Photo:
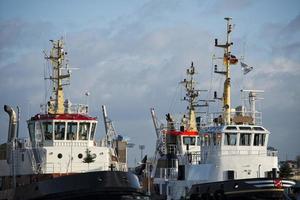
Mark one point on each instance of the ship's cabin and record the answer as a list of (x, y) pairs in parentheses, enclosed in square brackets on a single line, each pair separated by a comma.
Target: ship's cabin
[(48, 130), (239, 151), (183, 139), (235, 136), (189, 142), (184, 144)]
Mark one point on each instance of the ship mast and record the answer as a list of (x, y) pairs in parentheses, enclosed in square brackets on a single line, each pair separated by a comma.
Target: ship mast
[(57, 57), (191, 96), (228, 59)]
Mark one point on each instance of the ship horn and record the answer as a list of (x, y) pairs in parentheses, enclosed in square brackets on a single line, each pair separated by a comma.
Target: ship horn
[(12, 128)]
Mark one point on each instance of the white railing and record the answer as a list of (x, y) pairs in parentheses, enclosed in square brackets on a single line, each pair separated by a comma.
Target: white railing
[(172, 148), (193, 158), (79, 108), (175, 126), (24, 143), (168, 173), (74, 143), (217, 118), (78, 167), (238, 152), (122, 167), (43, 108), (73, 108)]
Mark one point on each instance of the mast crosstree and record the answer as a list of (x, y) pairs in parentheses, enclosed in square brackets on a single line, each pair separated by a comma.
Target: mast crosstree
[(191, 97), (57, 58), (228, 59)]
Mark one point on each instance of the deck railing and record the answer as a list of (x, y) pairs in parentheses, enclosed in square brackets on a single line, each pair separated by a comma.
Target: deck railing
[(79, 167), (79, 108), (168, 173), (190, 158), (73, 108), (237, 117)]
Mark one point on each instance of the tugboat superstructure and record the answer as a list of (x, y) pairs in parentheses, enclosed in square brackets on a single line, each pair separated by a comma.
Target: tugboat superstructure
[(62, 150), (177, 145), (232, 159), (238, 162)]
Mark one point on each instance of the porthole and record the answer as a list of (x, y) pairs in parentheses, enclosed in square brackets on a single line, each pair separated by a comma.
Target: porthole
[(59, 155), (80, 155), (94, 155)]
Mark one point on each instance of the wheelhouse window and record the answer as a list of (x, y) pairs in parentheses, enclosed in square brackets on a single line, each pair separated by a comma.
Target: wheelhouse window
[(48, 130), (198, 141), (230, 128), (245, 128), (31, 128), (259, 139), (72, 131), (93, 131), (245, 139), (84, 128), (258, 128), (230, 139), (189, 140), (59, 132)]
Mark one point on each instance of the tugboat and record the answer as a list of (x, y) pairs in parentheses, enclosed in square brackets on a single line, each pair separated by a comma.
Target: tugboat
[(177, 147), (61, 159), (221, 155)]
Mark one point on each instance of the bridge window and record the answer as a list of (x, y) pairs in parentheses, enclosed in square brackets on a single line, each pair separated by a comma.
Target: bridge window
[(198, 141), (48, 130), (259, 139), (31, 131), (59, 131), (93, 131), (230, 139), (245, 139), (72, 131), (245, 128), (84, 128), (189, 140), (258, 128), (230, 128)]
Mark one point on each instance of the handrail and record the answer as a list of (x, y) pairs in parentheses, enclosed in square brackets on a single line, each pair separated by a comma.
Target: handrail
[(237, 117), (73, 108), (79, 167)]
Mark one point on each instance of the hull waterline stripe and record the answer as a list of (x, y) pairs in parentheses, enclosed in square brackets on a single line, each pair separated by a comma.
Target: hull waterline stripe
[(264, 185), (272, 185), (255, 182), (259, 190), (270, 181)]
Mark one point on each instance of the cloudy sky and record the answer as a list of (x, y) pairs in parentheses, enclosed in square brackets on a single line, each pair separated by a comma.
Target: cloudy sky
[(132, 54)]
